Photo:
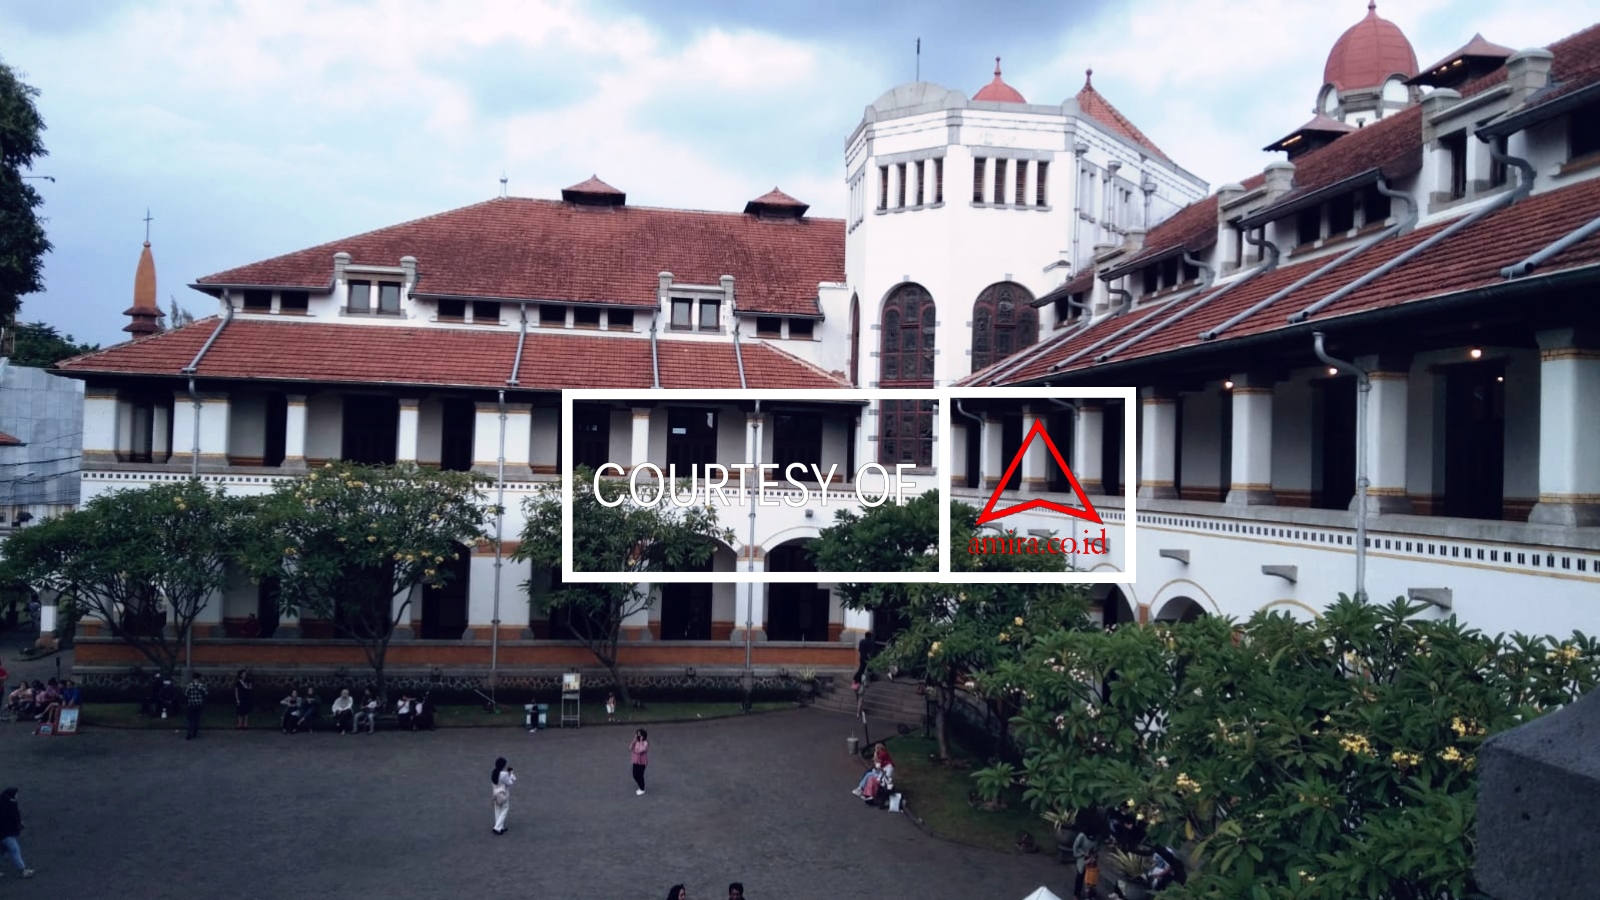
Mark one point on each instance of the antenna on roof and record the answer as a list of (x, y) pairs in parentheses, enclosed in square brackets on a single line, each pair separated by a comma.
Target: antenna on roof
[(919, 59), (503, 180)]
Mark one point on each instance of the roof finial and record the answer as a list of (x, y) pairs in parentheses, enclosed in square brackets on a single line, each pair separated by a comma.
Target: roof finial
[(147, 220), (1088, 78), (997, 67), (1372, 7)]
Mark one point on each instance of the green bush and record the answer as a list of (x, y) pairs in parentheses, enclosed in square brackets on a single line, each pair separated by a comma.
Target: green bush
[(1329, 760)]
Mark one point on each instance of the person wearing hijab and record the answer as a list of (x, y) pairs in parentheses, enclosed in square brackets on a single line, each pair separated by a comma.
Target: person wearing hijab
[(11, 830), (502, 778), (344, 712), (678, 892)]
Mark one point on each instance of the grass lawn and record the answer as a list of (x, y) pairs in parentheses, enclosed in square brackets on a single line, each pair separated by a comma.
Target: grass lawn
[(126, 715), (938, 796)]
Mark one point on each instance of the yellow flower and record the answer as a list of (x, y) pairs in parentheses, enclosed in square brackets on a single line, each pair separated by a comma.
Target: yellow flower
[(1017, 621), (372, 539), (428, 572), (289, 551), (1450, 754), (934, 648), (1356, 744), (1185, 783), (1004, 637)]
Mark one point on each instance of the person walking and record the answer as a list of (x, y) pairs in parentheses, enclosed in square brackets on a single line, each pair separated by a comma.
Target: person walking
[(678, 891), (11, 830), (244, 699), (194, 704), (864, 648), (641, 758), (502, 778)]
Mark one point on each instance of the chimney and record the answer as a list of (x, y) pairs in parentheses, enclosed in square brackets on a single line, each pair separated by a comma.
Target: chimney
[(1527, 72), (1134, 242), (1279, 178)]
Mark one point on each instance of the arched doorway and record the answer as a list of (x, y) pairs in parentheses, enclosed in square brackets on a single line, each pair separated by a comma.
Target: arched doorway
[(795, 611), (1115, 608), (1180, 609), (686, 608), (445, 605)]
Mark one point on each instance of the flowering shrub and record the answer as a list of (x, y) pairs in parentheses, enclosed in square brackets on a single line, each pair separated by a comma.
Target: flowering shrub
[(1299, 761)]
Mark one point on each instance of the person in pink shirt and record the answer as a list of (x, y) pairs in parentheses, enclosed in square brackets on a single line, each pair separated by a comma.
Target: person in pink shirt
[(641, 758)]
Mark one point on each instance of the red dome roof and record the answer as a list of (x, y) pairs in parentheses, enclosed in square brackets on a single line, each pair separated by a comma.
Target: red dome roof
[(1368, 53), (998, 91)]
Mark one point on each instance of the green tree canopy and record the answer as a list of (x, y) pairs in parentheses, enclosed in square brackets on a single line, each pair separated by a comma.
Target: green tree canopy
[(617, 535), (1304, 761), (956, 630), (42, 346), (350, 543), (22, 239), (144, 561)]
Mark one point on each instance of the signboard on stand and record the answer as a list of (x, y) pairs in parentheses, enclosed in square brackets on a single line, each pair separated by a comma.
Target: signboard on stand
[(67, 721)]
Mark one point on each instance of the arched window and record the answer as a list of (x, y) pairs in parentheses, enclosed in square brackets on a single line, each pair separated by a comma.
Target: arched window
[(1003, 322), (905, 359)]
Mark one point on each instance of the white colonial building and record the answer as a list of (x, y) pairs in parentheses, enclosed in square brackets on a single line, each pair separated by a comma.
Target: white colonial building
[(1406, 306), (988, 241)]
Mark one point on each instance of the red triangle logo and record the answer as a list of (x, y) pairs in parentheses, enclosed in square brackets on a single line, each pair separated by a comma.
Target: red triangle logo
[(1088, 513)]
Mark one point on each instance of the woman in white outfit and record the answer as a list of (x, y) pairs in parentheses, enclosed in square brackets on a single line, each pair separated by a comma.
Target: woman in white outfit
[(502, 778)]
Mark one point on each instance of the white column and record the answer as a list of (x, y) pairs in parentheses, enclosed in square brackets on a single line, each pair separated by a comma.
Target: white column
[(1088, 447), (641, 438), (519, 441), (1387, 426), (486, 437), (750, 605), (294, 432), (991, 458), (636, 627), (1158, 463), (857, 622), (1036, 462), (410, 422), (402, 629), (1252, 442), (1569, 429), (99, 425), (212, 433)]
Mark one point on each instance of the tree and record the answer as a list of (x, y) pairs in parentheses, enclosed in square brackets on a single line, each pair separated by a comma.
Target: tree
[(145, 562), (22, 240), (955, 631), (349, 541), (1304, 761), (617, 535), (41, 346), (177, 316)]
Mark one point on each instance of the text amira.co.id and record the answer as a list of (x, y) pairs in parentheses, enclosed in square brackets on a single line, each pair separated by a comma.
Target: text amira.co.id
[(1012, 545), (704, 481)]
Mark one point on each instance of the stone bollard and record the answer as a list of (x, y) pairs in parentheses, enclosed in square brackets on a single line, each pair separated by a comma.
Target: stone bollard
[(854, 744), (1538, 787)]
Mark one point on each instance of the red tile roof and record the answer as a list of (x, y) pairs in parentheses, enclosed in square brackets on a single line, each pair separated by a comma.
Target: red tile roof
[(1194, 228), (320, 352), (7, 440), (997, 91), (1576, 65), (776, 201), (1369, 52), (522, 249), (1477, 48), (1094, 105)]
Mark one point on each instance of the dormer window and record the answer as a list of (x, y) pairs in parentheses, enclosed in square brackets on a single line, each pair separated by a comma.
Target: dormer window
[(586, 317), (1308, 226), (1341, 215), (619, 320), (294, 302), (552, 315), (452, 310), (801, 329), (1583, 132), (486, 312), (364, 294), (1455, 149), (769, 327), (1497, 166), (258, 301), (690, 314)]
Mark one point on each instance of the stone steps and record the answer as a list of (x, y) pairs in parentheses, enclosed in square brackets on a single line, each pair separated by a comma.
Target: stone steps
[(884, 702)]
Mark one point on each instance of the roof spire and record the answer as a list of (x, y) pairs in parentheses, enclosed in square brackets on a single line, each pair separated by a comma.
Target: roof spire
[(145, 310), (1372, 7), (1088, 78), (997, 67)]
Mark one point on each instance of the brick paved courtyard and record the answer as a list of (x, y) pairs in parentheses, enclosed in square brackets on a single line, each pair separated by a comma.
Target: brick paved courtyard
[(764, 800)]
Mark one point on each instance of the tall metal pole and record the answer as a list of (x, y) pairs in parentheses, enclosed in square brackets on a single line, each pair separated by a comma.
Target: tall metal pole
[(499, 543), (1363, 388)]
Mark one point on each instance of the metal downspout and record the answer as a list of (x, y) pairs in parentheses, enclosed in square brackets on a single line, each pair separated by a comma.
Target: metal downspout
[(655, 357), (1182, 313), (1264, 244), (1364, 388), (963, 411), (499, 549), (1126, 304), (1078, 151), (522, 340), (1413, 252), (1543, 256), (750, 555), (190, 370), (1299, 283), (738, 356)]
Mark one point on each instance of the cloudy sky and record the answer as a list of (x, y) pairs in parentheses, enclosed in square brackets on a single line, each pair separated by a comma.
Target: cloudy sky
[(256, 127)]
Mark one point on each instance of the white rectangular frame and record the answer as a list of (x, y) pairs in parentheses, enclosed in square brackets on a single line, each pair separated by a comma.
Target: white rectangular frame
[(655, 395), (943, 458), (1130, 483)]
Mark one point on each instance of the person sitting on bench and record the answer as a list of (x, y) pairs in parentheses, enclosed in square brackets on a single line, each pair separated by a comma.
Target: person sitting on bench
[(368, 715), (344, 712), (404, 712)]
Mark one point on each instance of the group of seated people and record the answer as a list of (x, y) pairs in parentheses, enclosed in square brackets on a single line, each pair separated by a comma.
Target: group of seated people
[(40, 701), (1122, 830), (164, 699), (878, 783), (301, 708)]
